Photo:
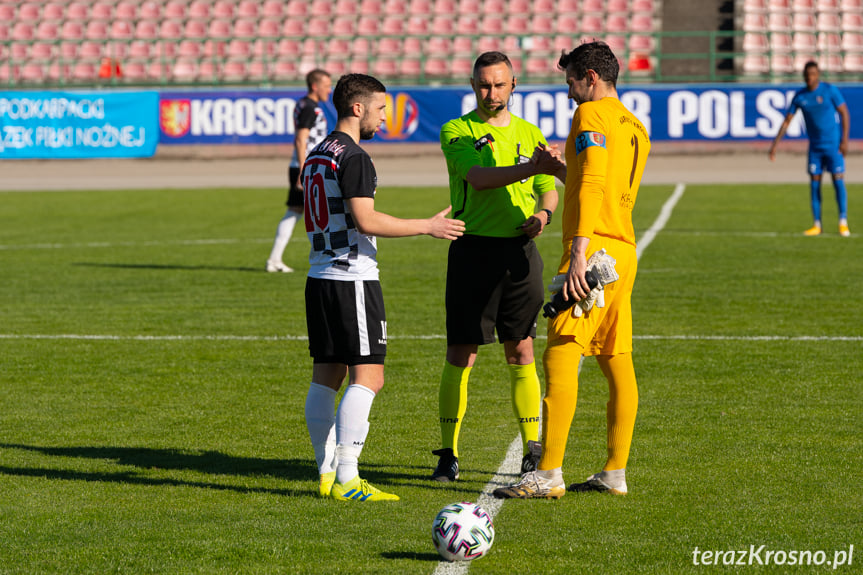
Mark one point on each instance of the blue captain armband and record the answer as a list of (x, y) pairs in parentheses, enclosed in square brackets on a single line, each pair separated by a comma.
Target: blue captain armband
[(587, 139)]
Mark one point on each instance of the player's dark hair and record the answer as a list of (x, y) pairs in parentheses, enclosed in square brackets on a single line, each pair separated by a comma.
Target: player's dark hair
[(810, 64), (353, 88), (490, 59), (315, 76), (596, 56)]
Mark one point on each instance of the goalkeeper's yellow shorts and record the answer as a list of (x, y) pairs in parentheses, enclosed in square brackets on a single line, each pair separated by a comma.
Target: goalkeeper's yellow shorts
[(606, 330)]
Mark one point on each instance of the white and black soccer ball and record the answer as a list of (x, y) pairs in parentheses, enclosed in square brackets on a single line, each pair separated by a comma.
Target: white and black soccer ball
[(462, 532)]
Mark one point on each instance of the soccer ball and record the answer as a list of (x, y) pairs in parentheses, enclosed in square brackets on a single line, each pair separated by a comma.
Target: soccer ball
[(462, 532)]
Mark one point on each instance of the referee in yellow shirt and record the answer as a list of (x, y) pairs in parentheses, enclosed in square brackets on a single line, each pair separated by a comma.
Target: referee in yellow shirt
[(605, 156)]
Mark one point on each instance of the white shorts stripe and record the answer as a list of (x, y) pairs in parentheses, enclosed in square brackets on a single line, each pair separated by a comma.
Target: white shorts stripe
[(362, 318)]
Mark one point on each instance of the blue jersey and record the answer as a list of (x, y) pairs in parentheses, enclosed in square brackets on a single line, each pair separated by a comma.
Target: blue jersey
[(819, 112)]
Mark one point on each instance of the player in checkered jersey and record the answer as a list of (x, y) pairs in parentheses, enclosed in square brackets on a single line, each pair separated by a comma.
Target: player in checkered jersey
[(344, 303), (310, 129)]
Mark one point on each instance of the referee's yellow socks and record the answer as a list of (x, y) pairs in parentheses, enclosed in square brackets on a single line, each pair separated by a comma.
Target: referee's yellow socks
[(560, 360), (452, 404), (622, 407), (526, 394)]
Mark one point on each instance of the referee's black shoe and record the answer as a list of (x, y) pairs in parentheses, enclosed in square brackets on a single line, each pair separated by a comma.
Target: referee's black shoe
[(531, 459), (447, 466)]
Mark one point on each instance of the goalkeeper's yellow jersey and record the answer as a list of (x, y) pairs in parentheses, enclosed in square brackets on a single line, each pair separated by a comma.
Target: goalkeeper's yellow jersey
[(605, 156)]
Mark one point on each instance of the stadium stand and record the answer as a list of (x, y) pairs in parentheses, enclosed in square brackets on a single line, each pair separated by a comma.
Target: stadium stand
[(266, 42), (780, 36)]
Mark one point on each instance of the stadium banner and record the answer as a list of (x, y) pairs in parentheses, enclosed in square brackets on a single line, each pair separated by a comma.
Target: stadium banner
[(67, 125), (698, 112), (231, 117)]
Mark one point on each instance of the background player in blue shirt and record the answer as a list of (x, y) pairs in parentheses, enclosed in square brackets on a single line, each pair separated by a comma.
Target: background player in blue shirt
[(819, 102)]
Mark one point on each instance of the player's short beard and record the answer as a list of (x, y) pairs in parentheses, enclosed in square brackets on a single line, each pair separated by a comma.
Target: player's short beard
[(367, 132)]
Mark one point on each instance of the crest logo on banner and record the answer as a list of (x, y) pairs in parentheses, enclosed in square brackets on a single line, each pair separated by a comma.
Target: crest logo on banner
[(175, 117), (403, 117)]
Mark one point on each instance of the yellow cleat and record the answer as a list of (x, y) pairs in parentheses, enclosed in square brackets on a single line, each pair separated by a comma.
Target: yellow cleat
[(813, 231), (327, 480), (359, 490), (844, 231)]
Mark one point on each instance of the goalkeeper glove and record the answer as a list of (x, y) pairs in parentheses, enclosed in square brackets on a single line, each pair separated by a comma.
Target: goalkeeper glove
[(600, 272)]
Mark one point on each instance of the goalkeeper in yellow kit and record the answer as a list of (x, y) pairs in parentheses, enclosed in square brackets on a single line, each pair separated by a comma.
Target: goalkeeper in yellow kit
[(605, 156)]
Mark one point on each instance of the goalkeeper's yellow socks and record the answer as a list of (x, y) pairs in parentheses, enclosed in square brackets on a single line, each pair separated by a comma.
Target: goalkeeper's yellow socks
[(525, 391), (621, 409), (561, 359), (452, 404)]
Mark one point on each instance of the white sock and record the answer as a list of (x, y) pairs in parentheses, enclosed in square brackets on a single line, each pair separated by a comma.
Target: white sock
[(283, 235), (321, 423), (614, 478), (352, 427), (552, 476)]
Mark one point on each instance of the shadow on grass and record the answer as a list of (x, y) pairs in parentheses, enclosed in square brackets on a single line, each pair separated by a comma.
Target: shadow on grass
[(216, 463), (210, 462), (169, 267)]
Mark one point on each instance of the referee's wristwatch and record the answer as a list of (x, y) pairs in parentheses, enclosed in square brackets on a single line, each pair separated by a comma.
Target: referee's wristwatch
[(548, 212)]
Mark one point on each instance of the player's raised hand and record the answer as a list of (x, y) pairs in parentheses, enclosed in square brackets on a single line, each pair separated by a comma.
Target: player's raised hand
[(444, 228)]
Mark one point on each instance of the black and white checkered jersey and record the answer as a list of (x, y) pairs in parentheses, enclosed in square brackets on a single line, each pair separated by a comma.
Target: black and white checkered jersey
[(309, 114), (335, 170)]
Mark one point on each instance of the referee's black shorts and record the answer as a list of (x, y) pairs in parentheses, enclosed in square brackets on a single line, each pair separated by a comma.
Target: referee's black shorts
[(346, 320), (492, 283), (295, 192)]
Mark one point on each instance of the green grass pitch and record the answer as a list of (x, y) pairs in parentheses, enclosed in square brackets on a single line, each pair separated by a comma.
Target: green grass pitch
[(152, 382)]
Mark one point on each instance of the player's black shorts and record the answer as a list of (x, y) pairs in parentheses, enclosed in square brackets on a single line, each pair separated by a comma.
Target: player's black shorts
[(295, 192), (346, 321), (492, 283)]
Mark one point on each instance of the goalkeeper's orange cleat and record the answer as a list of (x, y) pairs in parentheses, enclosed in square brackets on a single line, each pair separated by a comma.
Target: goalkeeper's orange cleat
[(844, 231), (813, 231)]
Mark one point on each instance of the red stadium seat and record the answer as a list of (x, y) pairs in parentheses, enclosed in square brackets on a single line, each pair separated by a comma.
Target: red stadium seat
[(321, 7), (347, 7), (121, 30), (412, 45), (750, 6), (436, 67), (288, 48), (410, 68), (297, 8), (344, 26), (126, 11), (170, 29), (492, 24), (779, 5), (567, 6), (199, 9), (438, 46), (371, 7), (642, 6), (828, 22), (22, 31), (617, 24), (234, 71), (76, 11), (389, 46), (462, 67), (445, 7), (338, 48), (517, 25), (101, 11), (853, 63), (69, 50), (150, 11), (829, 42), (96, 30), (467, 25), (755, 64), (489, 44), (639, 43), (385, 67), (268, 28), (803, 22), (47, 30), (223, 9), (754, 42), (245, 28), (284, 70), (597, 6), (753, 22), (219, 29), (174, 10), (51, 11), (827, 5), (247, 9), (42, 51), (462, 45), (393, 25), (7, 13), (803, 5), (140, 50), (32, 72), (28, 12), (852, 22), (641, 23), (779, 22), (272, 9), (851, 5), (361, 47), (293, 27), (542, 24), (417, 26), (318, 27), (466, 7), (239, 48), (782, 63), (780, 43), (189, 49), (852, 42), (185, 70), (84, 71)]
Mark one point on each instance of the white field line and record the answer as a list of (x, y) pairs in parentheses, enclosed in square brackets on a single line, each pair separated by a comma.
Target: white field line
[(201, 242), (512, 461)]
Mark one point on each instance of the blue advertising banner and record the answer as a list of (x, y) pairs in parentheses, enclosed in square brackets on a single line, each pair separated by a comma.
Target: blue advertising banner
[(231, 117), (49, 125), (735, 112)]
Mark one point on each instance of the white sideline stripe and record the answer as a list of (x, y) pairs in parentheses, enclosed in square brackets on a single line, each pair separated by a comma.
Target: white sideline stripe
[(678, 337), (512, 461)]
